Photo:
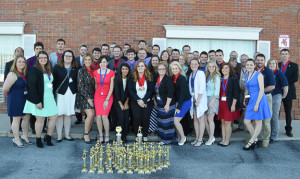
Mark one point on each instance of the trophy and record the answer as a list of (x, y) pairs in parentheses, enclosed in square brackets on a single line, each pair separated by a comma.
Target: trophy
[(84, 170), (91, 171), (147, 165), (118, 130), (141, 168), (140, 135), (109, 167), (129, 171)]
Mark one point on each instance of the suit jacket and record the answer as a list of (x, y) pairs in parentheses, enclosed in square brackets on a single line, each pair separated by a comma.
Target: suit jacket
[(292, 75), (35, 82), (133, 92), (112, 67), (78, 62), (59, 74), (233, 92), (181, 93), (166, 89), (119, 93), (8, 66)]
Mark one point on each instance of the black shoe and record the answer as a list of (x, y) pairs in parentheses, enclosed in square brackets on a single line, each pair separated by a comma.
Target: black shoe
[(10, 131), (33, 131), (58, 140), (39, 143), (250, 146), (272, 141), (44, 131), (78, 121), (47, 139), (222, 145), (289, 134), (70, 139)]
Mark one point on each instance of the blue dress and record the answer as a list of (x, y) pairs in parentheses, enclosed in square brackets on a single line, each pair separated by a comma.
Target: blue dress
[(16, 98), (263, 108)]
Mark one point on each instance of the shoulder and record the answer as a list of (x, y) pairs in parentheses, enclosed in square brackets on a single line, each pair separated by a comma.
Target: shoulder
[(111, 72), (9, 63), (12, 75)]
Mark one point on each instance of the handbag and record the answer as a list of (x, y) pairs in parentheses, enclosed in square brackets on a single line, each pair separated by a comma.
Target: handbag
[(56, 91)]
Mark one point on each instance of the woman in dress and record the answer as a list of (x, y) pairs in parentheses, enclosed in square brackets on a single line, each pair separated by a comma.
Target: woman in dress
[(279, 93), (182, 99), (213, 83), (197, 89), (65, 86), (153, 65), (40, 99), (229, 105), (85, 95), (15, 88), (103, 99), (121, 99), (257, 108), (183, 62), (165, 104), (141, 87)]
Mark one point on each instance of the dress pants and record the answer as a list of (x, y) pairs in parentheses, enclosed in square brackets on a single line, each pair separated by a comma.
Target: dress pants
[(122, 118), (287, 104), (141, 117), (266, 123)]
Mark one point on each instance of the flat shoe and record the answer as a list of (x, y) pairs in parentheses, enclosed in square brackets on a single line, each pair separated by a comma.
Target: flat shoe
[(71, 139)]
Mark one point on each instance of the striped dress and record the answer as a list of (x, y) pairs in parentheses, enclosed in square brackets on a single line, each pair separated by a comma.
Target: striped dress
[(153, 120)]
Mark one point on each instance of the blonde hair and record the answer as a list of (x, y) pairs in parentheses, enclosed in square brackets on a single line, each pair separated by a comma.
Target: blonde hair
[(273, 59), (178, 65), (216, 72), (15, 69)]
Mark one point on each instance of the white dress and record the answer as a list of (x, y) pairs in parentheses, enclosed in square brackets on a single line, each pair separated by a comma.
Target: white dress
[(199, 88), (66, 103)]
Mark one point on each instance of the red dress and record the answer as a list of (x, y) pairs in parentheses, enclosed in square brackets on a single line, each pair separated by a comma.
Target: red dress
[(224, 111), (99, 98)]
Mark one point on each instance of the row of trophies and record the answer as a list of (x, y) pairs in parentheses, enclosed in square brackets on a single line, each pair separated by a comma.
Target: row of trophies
[(143, 158)]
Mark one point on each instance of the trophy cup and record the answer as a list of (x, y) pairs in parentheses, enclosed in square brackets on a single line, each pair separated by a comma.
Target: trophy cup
[(168, 155), (118, 130), (120, 171), (109, 167), (153, 169), (100, 166), (129, 171), (84, 170), (140, 135), (147, 165), (165, 160), (91, 171), (141, 167)]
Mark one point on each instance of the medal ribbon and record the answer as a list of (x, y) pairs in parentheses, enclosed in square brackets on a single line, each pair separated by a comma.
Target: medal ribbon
[(90, 72), (23, 77), (116, 65), (141, 81), (102, 82), (274, 70), (261, 69), (158, 82), (175, 78), (48, 75), (59, 56), (244, 72), (193, 78), (283, 68), (224, 85)]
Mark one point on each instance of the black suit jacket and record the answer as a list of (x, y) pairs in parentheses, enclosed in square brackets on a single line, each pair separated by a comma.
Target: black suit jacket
[(8, 66), (181, 91), (133, 92), (78, 61), (112, 67), (59, 74), (166, 89), (233, 92), (292, 75), (35, 82), (119, 93)]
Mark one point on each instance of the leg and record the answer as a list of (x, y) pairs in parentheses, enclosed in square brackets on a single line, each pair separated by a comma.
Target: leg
[(39, 123), (276, 100), (287, 103), (99, 125), (228, 131), (67, 126), (201, 128), (32, 123), (146, 118), (211, 124), (223, 131), (106, 127), (137, 113), (196, 126), (25, 126), (51, 124), (88, 121), (126, 123), (258, 126), (207, 124), (15, 128), (178, 127), (59, 127), (249, 126)]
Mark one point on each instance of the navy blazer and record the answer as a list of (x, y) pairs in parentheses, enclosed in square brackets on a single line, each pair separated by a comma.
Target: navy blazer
[(166, 89), (233, 92)]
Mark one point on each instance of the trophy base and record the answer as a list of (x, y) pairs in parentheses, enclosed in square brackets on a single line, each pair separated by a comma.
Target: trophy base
[(129, 172), (120, 172), (153, 170), (110, 171), (141, 172), (100, 171), (91, 172), (84, 171), (147, 172), (165, 166), (159, 168)]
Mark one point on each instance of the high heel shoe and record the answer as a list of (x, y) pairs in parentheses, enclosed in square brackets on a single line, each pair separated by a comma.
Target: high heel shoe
[(256, 144), (210, 141), (18, 143), (250, 146), (194, 142), (88, 142), (47, 139), (198, 144), (26, 141), (182, 142), (39, 143), (106, 139)]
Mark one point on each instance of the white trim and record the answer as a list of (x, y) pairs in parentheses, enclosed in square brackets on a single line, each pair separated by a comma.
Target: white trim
[(12, 28), (212, 32)]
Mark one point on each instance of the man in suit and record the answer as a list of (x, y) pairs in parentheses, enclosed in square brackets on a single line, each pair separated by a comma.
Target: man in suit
[(56, 56), (115, 64), (291, 71), (235, 54), (82, 51), (18, 52), (142, 45)]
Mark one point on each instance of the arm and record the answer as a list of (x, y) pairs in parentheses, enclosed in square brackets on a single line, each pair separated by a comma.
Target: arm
[(269, 88), (10, 80), (149, 92), (117, 90), (295, 75), (236, 89), (202, 86), (260, 79), (131, 89), (111, 88), (285, 91), (182, 93)]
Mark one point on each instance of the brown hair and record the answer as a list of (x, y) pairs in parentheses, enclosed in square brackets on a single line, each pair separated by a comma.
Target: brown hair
[(15, 69), (61, 62), (88, 55), (135, 74), (47, 67), (272, 59), (231, 70)]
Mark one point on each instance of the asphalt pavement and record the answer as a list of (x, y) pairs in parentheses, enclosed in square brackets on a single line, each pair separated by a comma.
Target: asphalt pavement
[(280, 160)]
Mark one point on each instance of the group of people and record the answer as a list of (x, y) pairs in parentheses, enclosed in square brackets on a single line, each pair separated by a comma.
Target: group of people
[(159, 93)]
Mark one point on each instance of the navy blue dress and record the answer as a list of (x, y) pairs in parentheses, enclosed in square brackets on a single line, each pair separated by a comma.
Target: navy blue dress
[(16, 98)]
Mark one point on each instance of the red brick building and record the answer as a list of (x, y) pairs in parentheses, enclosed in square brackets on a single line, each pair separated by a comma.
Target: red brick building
[(127, 21)]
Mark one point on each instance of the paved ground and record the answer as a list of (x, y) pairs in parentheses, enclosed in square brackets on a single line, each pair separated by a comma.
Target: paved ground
[(280, 160)]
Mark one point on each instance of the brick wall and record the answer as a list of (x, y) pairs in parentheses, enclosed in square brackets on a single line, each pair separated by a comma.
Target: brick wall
[(96, 22)]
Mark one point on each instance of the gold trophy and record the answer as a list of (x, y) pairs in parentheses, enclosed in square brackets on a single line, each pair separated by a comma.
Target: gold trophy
[(141, 166), (140, 135), (84, 170), (118, 130), (147, 165), (109, 167), (91, 171), (129, 171)]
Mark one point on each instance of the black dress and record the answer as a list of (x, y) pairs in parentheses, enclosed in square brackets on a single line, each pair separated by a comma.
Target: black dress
[(86, 89)]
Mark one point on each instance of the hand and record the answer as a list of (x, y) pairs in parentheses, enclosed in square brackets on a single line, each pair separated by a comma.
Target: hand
[(122, 107), (167, 108), (141, 103), (90, 101), (232, 108), (126, 106), (197, 103), (244, 103), (177, 111), (39, 106), (211, 104), (256, 108), (105, 104), (155, 103)]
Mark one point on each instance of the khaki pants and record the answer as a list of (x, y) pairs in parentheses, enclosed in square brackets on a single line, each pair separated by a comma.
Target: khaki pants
[(266, 123)]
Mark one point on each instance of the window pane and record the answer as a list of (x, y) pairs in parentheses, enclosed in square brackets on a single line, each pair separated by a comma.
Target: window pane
[(8, 44), (240, 46)]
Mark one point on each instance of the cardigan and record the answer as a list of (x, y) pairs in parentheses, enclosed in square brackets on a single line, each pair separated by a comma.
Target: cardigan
[(181, 91), (59, 74), (233, 92), (133, 92)]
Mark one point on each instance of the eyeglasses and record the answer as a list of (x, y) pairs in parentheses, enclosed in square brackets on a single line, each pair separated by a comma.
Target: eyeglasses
[(161, 69), (43, 58), (68, 56)]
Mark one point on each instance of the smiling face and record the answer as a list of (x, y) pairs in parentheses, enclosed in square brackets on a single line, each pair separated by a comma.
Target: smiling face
[(175, 55), (142, 54), (117, 53), (155, 61), (155, 50), (37, 50), (68, 58), (124, 71), (203, 58), (42, 59), (104, 50), (219, 57), (250, 66), (165, 56), (272, 65), (211, 68), (260, 62), (141, 67), (96, 54), (225, 70), (103, 63), (285, 55), (175, 69), (21, 63), (82, 51), (194, 65), (88, 61), (212, 56), (162, 69), (181, 60)]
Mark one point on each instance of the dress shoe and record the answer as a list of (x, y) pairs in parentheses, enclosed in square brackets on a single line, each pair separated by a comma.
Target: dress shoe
[(210, 141), (18, 143), (47, 139), (26, 141), (78, 121), (265, 144), (69, 139), (249, 146), (272, 141), (223, 145), (289, 134), (58, 140), (182, 142), (39, 143)]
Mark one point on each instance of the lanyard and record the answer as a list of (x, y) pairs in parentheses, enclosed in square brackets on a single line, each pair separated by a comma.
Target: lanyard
[(250, 76), (159, 82), (59, 56), (221, 64), (48, 75), (260, 70), (116, 65), (175, 78), (68, 70), (90, 72), (283, 67), (102, 82), (244, 72), (274, 71), (193, 79), (224, 85), (23, 77), (141, 81)]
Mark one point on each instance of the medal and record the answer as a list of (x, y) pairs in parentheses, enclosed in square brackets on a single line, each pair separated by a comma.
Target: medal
[(141, 82), (102, 82)]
